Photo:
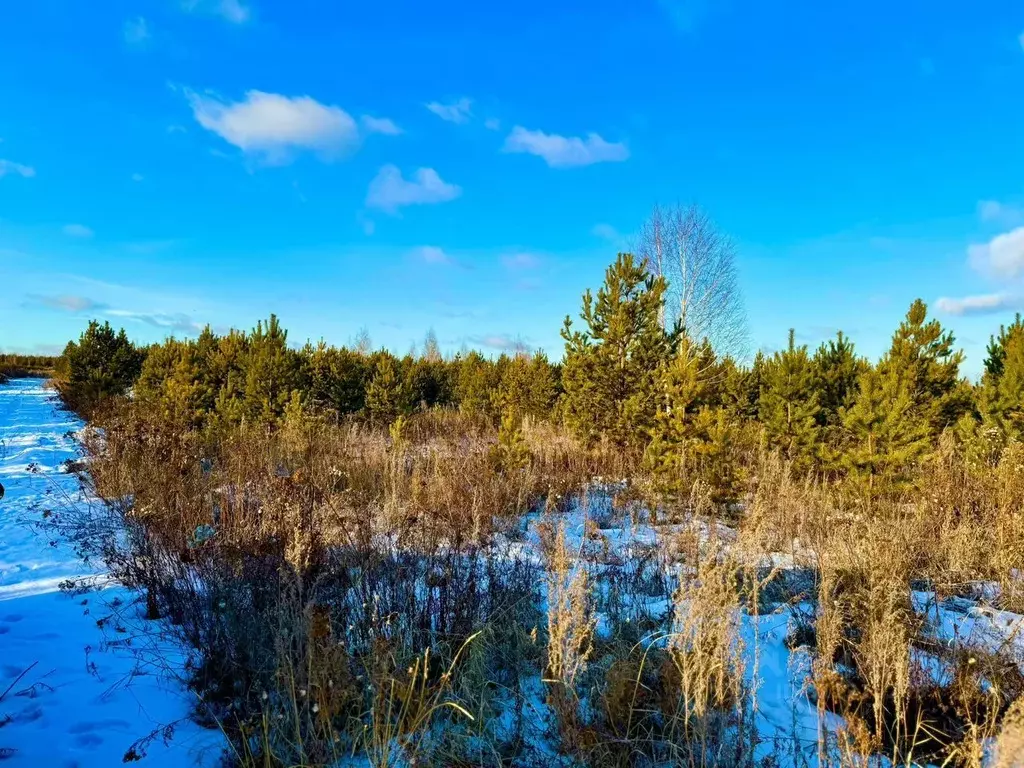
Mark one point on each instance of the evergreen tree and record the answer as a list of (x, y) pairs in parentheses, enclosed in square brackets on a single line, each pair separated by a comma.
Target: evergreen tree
[(272, 371), (922, 358), (611, 366), (527, 386), (171, 382), (337, 378), (387, 396), (1001, 394), (997, 346), (511, 454), (885, 438), (836, 371), (692, 436), (100, 365), (476, 380), (789, 405), (428, 379)]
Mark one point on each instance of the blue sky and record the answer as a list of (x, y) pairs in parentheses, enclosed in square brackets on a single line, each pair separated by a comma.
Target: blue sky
[(473, 167)]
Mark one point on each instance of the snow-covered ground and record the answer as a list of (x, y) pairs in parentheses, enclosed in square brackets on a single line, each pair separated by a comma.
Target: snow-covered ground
[(73, 693)]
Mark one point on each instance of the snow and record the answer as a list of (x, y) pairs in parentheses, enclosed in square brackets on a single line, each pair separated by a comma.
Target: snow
[(79, 695)]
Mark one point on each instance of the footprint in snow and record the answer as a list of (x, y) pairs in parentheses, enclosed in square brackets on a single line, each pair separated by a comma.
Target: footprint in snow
[(99, 725)]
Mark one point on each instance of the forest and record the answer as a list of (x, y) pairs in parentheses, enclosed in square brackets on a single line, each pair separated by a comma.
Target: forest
[(618, 558)]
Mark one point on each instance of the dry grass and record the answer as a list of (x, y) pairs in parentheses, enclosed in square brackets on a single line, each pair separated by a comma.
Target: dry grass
[(349, 588)]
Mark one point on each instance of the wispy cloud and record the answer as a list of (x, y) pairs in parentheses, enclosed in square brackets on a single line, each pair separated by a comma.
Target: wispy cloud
[(137, 177), (78, 230), (492, 124), (501, 342), (1002, 256), (233, 11), (16, 169), (380, 125), (136, 31), (431, 254), (455, 112), (389, 191), (565, 151), (176, 322), (273, 127), (996, 211), (69, 303), (984, 304), (520, 261)]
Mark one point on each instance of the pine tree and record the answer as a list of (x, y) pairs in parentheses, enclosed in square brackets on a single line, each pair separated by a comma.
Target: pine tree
[(789, 405), (611, 366), (885, 439), (1001, 393), (836, 370), (476, 379), (527, 386), (922, 358), (511, 454), (690, 438), (102, 364), (337, 378), (272, 371), (387, 396)]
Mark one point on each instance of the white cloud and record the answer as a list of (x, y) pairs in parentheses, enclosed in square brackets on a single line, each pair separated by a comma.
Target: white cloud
[(230, 10), (1003, 256), (379, 125), (272, 126), (136, 31), (456, 112), (137, 177), (518, 261), (993, 210), (565, 151), (492, 124), (500, 341), (431, 254), (389, 191), (978, 305), (77, 230), (9, 166)]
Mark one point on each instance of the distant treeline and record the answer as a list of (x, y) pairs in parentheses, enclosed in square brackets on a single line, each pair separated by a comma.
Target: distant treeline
[(629, 379), (257, 376), (20, 366)]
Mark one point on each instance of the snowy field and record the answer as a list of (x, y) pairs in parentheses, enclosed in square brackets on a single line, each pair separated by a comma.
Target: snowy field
[(74, 694)]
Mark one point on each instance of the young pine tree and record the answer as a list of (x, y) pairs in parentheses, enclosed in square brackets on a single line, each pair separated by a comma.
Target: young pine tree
[(611, 365), (387, 396), (1001, 394), (272, 371), (691, 438), (885, 440), (923, 359), (836, 370), (100, 365), (789, 405)]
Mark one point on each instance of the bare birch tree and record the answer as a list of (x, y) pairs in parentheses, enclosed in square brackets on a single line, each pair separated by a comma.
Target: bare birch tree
[(682, 244)]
